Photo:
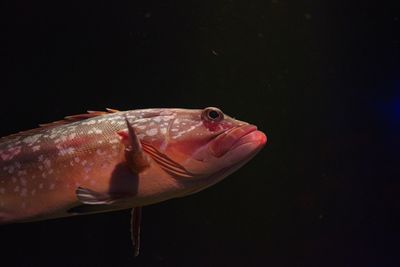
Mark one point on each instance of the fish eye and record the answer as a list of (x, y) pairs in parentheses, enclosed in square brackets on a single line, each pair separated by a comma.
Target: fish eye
[(213, 114)]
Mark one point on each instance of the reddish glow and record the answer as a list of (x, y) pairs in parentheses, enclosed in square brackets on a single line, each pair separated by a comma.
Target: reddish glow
[(260, 137)]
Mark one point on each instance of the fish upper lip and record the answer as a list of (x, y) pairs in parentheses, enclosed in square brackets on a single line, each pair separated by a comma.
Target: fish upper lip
[(249, 128), (228, 140)]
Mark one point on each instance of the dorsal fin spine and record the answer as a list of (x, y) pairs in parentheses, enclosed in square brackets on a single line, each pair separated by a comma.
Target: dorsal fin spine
[(78, 117)]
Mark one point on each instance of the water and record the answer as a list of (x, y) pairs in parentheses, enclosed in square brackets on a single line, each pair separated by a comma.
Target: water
[(321, 79)]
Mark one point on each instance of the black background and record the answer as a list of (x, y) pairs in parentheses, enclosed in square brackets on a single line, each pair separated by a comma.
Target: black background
[(321, 79)]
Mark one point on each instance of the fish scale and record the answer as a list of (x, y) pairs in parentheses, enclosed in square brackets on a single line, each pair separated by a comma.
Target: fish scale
[(113, 160)]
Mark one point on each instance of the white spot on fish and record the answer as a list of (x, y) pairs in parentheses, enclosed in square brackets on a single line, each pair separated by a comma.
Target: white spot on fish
[(21, 173), (11, 153), (52, 186), (62, 138), (47, 163), (152, 132), (71, 136), (163, 130), (100, 152), (90, 122), (141, 127), (66, 151), (188, 130), (11, 169), (166, 113), (95, 130), (31, 139), (23, 192), (23, 181), (77, 159), (35, 148)]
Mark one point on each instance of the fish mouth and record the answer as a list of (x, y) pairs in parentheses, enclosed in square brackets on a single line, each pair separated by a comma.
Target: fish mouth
[(237, 137)]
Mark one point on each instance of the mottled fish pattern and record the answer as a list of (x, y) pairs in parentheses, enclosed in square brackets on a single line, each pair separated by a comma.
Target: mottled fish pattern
[(118, 159)]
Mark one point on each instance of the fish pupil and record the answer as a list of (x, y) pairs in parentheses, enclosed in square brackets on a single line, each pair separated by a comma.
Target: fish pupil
[(213, 114)]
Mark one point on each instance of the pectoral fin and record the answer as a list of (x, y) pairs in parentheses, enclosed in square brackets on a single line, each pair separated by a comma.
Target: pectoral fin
[(136, 159), (90, 197), (136, 216)]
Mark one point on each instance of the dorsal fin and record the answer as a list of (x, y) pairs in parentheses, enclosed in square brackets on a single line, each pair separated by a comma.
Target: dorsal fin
[(78, 117), (66, 120)]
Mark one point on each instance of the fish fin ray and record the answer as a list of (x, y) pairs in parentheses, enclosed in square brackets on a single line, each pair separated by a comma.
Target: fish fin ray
[(89, 209), (90, 197), (66, 120), (167, 164), (79, 117), (134, 156), (136, 217)]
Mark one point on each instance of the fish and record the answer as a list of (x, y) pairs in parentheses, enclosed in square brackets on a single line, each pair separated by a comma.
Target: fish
[(112, 160)]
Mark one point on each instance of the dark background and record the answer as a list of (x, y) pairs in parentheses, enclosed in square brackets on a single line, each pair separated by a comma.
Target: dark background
[(321, 79)]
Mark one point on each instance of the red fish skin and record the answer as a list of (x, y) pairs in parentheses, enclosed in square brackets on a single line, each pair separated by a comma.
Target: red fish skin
[(41, 169), (41, 182)]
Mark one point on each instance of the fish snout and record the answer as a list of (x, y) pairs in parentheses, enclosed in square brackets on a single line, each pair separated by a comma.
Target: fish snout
[(235, 137)]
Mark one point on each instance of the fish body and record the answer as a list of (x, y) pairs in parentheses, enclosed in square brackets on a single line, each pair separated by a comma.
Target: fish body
[(104, 161)]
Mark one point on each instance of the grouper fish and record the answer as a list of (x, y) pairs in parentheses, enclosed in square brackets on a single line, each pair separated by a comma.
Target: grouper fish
[(112, 160)]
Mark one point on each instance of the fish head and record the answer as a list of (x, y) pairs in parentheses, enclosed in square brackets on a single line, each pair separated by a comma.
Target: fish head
[(200, 147)]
